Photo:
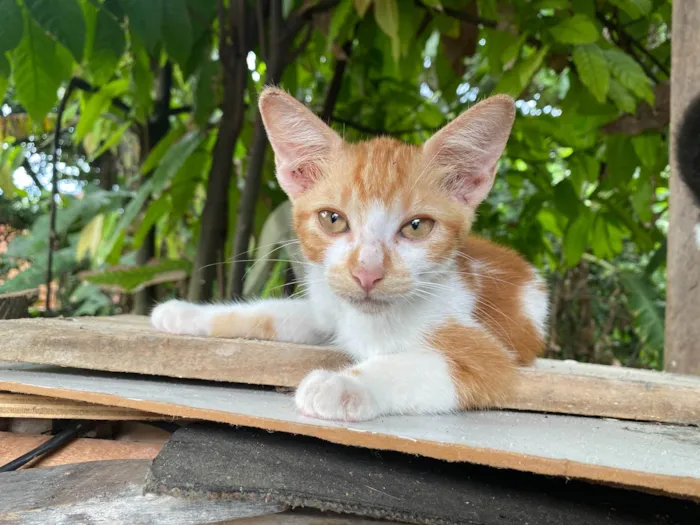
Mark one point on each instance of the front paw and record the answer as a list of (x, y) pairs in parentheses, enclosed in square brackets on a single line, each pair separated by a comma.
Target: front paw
[(181, 317), (330, 395)]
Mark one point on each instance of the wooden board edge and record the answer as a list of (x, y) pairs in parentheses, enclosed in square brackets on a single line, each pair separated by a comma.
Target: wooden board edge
[(674, 486), (42, 407)]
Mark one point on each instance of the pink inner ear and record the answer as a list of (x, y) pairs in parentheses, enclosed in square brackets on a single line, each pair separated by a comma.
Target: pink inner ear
[(296, 180)]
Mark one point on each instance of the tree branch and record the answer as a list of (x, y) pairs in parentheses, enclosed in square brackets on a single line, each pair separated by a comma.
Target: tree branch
[(72, 85), (336, 83)]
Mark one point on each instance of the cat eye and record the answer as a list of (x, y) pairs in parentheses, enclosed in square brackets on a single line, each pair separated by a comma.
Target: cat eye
[(417, 228), (333, 222)]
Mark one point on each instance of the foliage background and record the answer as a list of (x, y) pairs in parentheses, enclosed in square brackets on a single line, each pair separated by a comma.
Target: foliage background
[(134, 165)]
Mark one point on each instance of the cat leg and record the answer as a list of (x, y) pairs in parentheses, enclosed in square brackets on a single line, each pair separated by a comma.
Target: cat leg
[(288, 320), (458, 367)]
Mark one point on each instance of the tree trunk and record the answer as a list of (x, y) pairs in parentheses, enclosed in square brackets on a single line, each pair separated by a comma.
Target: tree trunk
[(681, 352), (157, 129), (213, 228)]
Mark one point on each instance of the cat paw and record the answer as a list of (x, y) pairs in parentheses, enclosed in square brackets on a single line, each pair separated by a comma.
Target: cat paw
[(330, 395), (181, 317)]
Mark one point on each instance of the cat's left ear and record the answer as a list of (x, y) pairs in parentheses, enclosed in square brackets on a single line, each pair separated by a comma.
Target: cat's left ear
[(465, 153), (302, 142)]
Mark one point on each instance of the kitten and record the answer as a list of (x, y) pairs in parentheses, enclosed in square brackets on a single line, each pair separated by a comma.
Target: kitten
[(435, 320), (688, 154)]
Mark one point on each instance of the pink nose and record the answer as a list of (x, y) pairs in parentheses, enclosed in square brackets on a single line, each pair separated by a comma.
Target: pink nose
[(368, 278)]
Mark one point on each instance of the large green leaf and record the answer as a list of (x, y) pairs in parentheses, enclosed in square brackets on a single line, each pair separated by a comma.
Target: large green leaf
[(146, 20), (630, 74), (36, 73), (12, 25), (134, 278), (208, 91), (64, 20), (593, 70), (634, 8), (386, 13), (576, 238), (177, 30), (578, 29), (622, 97), (170, 164), (5, 72), (105, 43), (645, 303), (97, 105)]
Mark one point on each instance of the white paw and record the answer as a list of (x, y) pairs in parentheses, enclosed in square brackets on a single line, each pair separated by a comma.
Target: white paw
[(330, 395), (181, 317)]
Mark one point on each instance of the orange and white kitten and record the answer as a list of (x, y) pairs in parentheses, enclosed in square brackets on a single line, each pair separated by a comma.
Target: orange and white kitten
[(435, 320)]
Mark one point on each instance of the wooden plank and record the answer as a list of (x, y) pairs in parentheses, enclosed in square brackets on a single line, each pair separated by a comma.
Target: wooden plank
[(305, 518), (641, 455), (79, 451), (40, 407), (106, 492), (682, 352), (117, 344)]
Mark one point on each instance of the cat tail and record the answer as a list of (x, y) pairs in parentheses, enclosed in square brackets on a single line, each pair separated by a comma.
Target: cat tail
[(688, 154)]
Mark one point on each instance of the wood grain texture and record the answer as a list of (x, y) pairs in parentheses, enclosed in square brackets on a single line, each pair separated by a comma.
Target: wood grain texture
[(129, 344), (682, 345), (41, 407), (661, 458), (79, 451), (106, 492)]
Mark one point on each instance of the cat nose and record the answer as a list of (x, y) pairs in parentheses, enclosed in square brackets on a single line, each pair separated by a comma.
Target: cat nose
[(368, 277)]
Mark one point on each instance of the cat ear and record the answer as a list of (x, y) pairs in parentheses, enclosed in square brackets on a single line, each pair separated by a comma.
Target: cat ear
[(466, 151), (301, 141)]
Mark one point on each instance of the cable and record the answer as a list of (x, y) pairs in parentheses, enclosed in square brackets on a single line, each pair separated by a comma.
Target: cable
[(56, 442)]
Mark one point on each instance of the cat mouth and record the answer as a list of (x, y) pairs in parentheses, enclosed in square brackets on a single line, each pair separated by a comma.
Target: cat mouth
[(369, 304)]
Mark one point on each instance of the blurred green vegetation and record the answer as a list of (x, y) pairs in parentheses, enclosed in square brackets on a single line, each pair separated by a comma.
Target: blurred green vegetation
[(165, 184)]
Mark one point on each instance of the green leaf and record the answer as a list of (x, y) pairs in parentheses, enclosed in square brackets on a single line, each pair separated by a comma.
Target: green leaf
[(156, 209), (12, 25), (648, 148), (645, 304), (146, 20), (112, 140), (518, 77), (177, 30), (642, 198), (208, 89), (64, 20), (156, 154), (106, 44), (5, 72), (134, 278), (634, 8), (141, 80), (606, 239), (35, 72), (578, 29), (275, 232), (90, 238), (361, 6), (98, 104), (576, 239), (630, 74), (593, 70), (622, 161), (169, 165), (386, 13), (622, 97), (342, 16)]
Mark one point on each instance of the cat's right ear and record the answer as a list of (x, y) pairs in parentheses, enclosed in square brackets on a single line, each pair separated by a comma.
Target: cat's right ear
[(301, 141)]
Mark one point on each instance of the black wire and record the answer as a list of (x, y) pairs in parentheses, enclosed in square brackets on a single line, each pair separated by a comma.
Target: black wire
[(57, 441)]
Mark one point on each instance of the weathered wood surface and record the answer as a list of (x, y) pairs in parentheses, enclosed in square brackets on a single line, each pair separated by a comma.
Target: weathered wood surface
[(82, 450), (109, 493), (305, 518), (129, 344), (40, 407), (649, 456), (682, 348)]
